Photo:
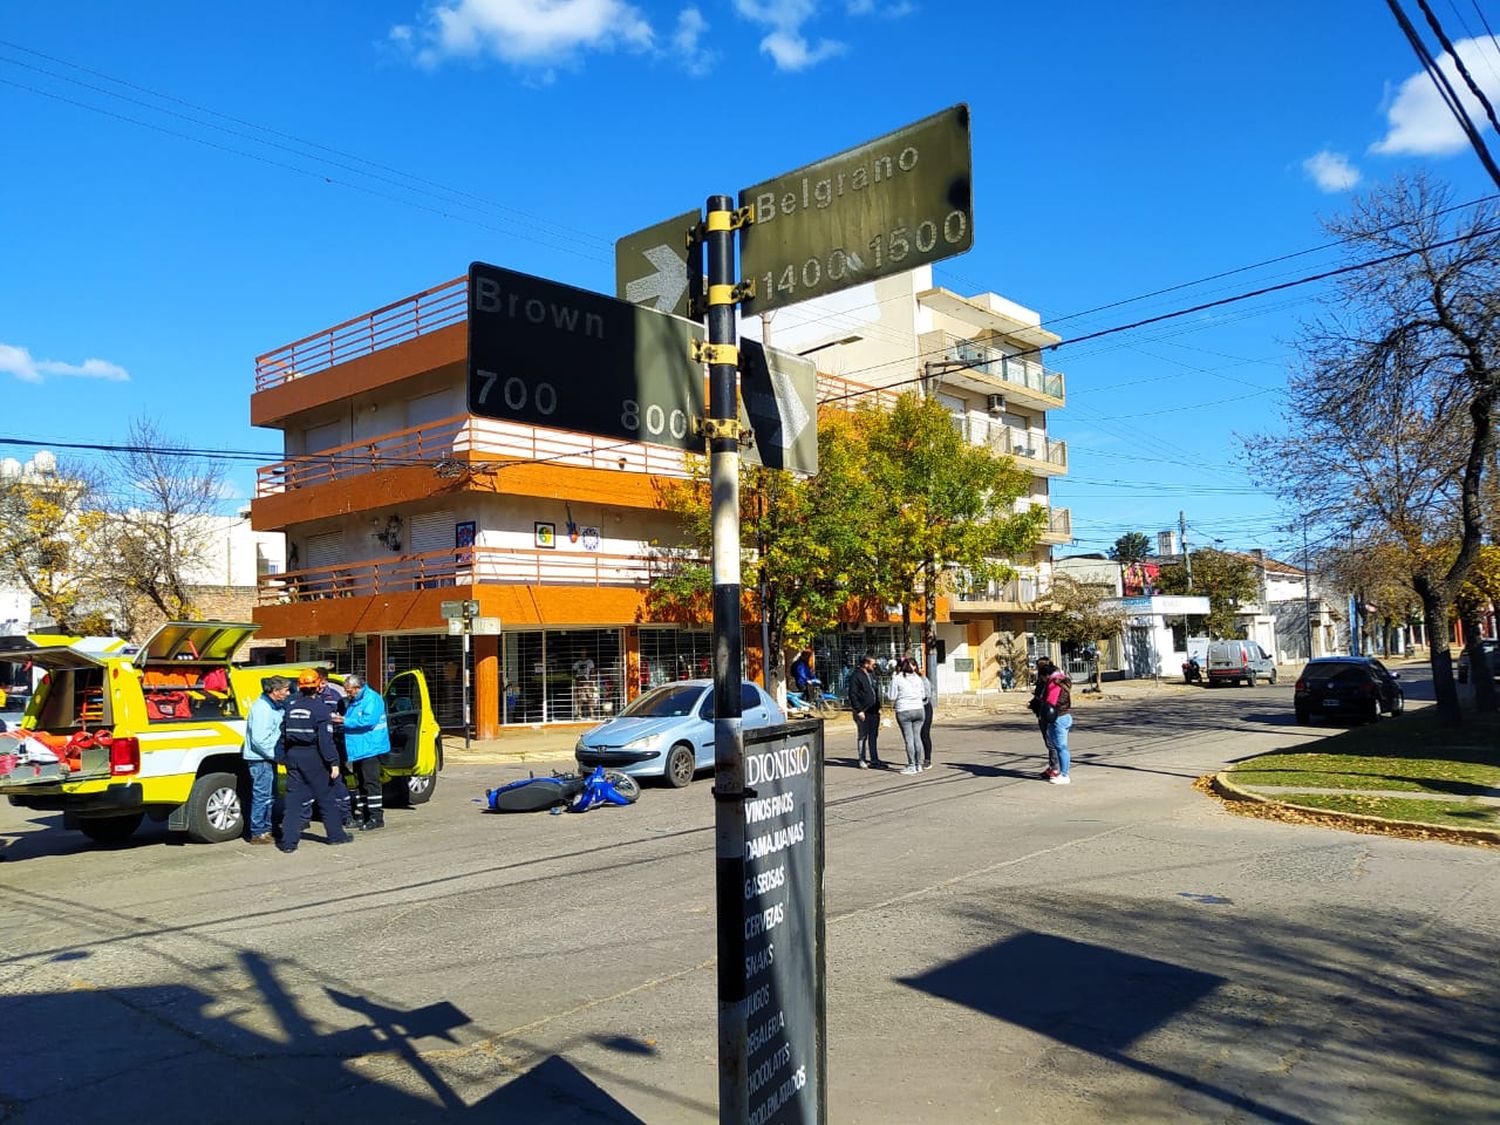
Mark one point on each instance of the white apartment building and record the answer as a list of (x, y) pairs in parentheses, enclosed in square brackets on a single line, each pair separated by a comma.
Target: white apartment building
[(981, 357)]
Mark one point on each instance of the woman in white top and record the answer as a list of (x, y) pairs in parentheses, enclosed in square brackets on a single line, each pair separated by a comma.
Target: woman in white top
[(908, 696)]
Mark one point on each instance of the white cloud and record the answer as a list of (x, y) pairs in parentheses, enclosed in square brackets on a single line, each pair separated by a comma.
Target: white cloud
[(1419, 121), (696, 59), (1331, 171), (785, 43), (891, 11), (524, 32), (18, 362)]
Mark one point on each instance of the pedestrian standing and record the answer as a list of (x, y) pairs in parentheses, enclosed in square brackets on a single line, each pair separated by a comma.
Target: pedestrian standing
[(864, 702), (262, 748), (1044, 670), (366, 740), (333, 695), (312, 765), (1057, 706), (908, 696), (927, 723)]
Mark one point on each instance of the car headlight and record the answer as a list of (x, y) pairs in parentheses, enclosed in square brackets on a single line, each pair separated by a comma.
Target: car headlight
[(645, 742)]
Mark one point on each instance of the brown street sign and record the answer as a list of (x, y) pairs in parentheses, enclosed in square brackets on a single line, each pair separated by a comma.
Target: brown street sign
[(654, 268), (551, 355), (895, 203)]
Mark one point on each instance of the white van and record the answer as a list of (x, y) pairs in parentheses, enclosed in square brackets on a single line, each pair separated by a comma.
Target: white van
[(1232, 661)]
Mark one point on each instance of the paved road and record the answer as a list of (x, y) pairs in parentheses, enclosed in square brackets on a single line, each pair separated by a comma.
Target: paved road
[(999, 949)]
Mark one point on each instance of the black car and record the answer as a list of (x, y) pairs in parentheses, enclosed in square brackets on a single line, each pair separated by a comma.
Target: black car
[(1354, 687), (1491, 651)]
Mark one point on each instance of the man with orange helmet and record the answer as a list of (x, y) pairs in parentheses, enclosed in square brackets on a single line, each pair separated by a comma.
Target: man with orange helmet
[(312, 764)]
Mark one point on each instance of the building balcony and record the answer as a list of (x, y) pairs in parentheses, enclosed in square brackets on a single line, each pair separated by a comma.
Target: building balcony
[(1059, 528), (1018, 595), (980, 369), (522, 587), (1035, 453)]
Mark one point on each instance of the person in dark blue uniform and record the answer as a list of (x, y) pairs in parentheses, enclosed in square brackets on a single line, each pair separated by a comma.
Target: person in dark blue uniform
[(334, 696), (312, 765)]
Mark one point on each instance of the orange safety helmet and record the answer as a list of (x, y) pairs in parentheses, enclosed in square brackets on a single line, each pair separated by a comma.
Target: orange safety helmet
[(308, 677)]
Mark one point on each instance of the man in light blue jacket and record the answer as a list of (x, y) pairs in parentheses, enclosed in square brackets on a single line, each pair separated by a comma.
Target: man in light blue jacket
[(262, 746), (366, 739)]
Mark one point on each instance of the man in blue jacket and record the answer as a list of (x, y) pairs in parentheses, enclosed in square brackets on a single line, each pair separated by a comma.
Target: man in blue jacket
[(262, 747), (366, 740)]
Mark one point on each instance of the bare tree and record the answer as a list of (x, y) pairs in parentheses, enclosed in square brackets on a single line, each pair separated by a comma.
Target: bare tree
[(161, 526), (1077, 618), (1389, 428)]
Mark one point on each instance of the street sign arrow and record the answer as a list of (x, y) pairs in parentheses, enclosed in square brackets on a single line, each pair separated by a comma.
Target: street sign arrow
[(664, 288), (780, 395), (656, 268)]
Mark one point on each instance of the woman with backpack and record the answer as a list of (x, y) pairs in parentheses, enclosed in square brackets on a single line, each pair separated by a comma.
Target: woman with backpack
[(1057, 710), (908, 696)]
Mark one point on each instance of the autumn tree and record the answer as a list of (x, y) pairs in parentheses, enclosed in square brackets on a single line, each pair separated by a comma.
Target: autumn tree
[(1077, 617), (1228, 581), (1388, 433), (52, 533), (802, 542), (943, 506), (1480, 594), (1131, 547)]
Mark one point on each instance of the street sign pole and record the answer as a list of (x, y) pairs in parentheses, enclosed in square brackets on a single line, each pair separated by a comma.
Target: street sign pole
[(723, 428)]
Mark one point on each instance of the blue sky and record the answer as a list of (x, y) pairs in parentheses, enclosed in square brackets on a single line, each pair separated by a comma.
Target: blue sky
[(187, 186)]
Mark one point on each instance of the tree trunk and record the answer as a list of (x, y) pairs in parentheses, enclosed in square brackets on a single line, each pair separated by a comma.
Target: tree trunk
[(1481, 675), (929, 625), (1444, 687)]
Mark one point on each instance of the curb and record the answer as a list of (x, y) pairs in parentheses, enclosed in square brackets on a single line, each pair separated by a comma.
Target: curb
[(1355, 822)]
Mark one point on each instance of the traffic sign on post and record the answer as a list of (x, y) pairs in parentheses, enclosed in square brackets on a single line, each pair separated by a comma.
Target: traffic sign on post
[(779, 402), (655, 267), (884, 207), (552, 355), (459, 609)]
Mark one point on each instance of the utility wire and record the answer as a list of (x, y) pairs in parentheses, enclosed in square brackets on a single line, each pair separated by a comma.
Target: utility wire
[(1437, 29)]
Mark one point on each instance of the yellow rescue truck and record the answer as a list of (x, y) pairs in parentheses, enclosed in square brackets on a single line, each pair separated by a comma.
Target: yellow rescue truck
[(111, 737)]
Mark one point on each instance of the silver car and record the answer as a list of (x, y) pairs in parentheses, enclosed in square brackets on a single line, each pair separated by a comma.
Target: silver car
[(669, 731)]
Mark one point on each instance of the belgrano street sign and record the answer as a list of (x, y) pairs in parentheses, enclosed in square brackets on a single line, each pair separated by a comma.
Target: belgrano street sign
[(895, 203)]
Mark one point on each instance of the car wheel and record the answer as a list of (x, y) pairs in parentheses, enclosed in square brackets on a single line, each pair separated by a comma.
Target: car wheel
[(214, 810), (1250, 680), (419, 787), (1304, 718), (111, 829), (1373, 715), (1272, 678), (1398, 705), (680, 767)]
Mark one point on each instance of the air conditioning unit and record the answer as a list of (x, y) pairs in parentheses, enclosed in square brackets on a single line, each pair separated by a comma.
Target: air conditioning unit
[(997, 404)]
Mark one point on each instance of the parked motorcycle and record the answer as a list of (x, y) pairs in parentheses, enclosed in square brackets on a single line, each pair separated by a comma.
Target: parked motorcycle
[(1192, 673)]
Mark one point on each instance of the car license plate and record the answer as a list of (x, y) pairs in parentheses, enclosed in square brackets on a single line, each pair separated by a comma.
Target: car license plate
[(1330, 703)]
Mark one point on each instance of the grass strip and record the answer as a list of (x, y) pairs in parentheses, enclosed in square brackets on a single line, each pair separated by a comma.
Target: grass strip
[(1416, 753), (1443, 814)]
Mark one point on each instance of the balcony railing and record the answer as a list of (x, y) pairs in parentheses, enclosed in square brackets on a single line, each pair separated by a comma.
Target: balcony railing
[(1034, 447), (1017, 591), (1059, 523), (1025, 373), (438, 569), (489, 444), (393, 324)]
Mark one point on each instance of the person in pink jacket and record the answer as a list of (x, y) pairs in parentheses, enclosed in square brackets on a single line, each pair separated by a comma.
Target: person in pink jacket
[(1057, 706)]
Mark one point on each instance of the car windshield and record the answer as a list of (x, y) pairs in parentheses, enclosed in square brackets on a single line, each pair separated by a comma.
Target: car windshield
[(1344, 673), (666, 702)]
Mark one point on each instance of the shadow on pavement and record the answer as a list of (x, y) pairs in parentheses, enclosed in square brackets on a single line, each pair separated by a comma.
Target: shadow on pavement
[(176, 1053), (1274, 1019)]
